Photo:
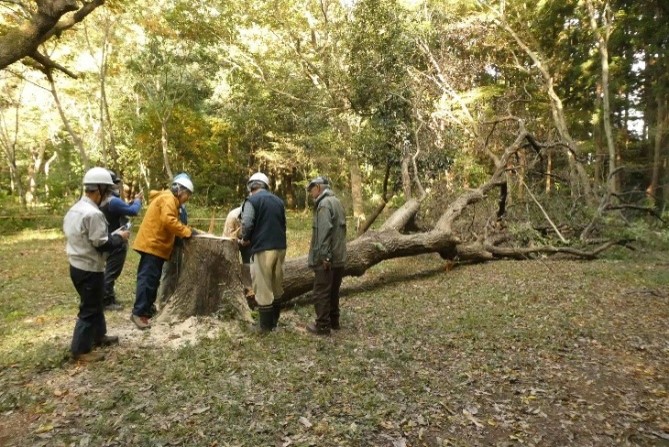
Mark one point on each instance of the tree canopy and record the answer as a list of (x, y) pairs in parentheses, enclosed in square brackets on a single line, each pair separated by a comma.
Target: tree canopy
[(386, 97)]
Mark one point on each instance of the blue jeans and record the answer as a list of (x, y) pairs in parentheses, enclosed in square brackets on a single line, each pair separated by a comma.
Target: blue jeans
[(148, 280)]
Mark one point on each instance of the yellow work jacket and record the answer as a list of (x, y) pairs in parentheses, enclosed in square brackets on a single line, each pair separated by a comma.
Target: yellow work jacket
[(160, 226)]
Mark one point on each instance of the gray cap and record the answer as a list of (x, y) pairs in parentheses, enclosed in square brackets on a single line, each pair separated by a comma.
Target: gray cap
[(320, 180)]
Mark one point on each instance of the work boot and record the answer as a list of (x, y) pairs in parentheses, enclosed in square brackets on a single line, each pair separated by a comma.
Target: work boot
[(89, 357), (107, 340), (265, 319), (141, 322), (276, 313), (313, 328), (113, 306)]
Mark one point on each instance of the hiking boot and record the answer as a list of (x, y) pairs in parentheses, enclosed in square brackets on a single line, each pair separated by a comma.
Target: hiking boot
[(107, 340), (113, 307), (314, 329), (276, 314), (141, 322), (265, 319), (89, 357)]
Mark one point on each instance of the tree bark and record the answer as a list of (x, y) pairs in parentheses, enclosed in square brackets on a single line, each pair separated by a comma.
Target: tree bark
[(602, 36), (75, 138), (208, 282), (661, 119), (165, 146), (50, 19)]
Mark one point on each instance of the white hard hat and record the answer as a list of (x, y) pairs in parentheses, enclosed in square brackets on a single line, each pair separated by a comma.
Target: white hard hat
[(185, 182), (258, 177), (98, 176)]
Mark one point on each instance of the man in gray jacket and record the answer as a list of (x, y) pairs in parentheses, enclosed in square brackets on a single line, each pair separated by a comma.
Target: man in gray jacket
[(327, 255), (87, 241)]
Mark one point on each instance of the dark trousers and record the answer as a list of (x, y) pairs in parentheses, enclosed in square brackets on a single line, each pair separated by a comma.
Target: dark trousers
[(326, 295), (170, 274), (148, 280), (91, 325), (113, 269)]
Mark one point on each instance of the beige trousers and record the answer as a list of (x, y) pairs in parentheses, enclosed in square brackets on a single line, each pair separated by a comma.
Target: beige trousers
[(267, 275)]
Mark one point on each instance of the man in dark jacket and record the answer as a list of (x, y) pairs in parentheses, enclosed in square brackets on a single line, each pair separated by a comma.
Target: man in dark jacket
[(116, 211), (327, 255), (264, 231)]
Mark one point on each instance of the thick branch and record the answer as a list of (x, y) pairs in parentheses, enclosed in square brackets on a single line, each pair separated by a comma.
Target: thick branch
[(49, 20)]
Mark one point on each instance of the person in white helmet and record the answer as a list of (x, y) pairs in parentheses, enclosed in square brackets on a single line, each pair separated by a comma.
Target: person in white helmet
[(264, 231), (155, 242), (88, 240), (171, 268)]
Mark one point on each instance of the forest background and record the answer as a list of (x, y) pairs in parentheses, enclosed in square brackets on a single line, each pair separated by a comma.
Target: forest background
[(359, 91)]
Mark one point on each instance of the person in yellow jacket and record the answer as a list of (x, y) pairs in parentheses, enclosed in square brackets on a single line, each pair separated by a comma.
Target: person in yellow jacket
[(155, 242)]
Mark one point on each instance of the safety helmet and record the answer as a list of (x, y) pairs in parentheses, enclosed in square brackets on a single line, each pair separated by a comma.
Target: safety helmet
[(98, 176), (258, 177), (115, 178), (181, 175), (320, 180), (185, 182)]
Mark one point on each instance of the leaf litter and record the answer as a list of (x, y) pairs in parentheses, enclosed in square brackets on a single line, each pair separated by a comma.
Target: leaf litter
[(508, 353)]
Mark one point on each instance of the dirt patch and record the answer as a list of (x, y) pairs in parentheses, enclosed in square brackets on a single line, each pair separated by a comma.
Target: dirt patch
[(173, 334)]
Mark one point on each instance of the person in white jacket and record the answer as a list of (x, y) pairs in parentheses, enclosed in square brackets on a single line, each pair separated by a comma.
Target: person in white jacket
[(88, 240)]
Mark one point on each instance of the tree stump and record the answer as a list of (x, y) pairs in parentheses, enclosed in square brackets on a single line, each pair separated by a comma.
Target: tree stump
[(208, 282)]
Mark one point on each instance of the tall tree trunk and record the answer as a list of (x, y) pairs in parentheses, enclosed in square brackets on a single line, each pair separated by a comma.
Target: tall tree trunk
[(37, 156), (602, 35), (165, 147), (75, 137), (549, 171), (658, 139), (356, 190), (579, 177), (47, 171), (9, 143)]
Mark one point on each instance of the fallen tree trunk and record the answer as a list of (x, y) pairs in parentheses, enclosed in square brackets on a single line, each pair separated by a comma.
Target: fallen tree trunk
[(365, 252), (210, 279)]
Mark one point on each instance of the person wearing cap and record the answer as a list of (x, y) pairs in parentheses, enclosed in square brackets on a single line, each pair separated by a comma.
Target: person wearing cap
[(327, 255), (264, 232), (88, 240), (116, 211), (155, 242)]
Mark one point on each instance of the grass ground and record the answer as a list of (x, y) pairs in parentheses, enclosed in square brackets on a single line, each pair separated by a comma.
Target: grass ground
[(545, 353)]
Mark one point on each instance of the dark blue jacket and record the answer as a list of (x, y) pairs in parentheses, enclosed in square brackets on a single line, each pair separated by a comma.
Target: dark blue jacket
[(116, 210), (267, 231)]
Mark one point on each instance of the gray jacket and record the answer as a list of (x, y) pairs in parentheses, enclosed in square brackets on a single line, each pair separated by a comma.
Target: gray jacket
[(86, 230), (328, 231)]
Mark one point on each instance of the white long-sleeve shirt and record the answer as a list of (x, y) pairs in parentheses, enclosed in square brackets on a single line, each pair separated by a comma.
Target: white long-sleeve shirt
[(85, 228)]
